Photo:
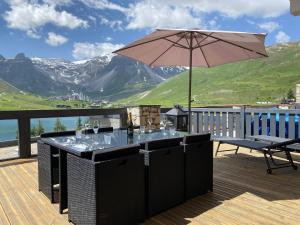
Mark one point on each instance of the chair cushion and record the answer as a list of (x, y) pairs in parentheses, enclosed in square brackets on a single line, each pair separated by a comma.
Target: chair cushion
[(106, 129), (162, 143), (194, 138), (113, 153), (101, 129), (57, 134)]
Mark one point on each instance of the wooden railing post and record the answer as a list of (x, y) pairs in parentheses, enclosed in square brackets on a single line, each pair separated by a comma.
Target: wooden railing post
[(123, 119), (24, 137), (243, 122)]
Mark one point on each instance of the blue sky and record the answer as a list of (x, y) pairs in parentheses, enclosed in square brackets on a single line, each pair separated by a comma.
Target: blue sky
[(81, 29)]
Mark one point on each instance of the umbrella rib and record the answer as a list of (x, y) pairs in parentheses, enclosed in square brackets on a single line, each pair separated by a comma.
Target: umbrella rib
[(228, 42), (164, 52), (202, 53), (207, 36), (176, 43), (209, 43), (146, 42), (187, 42)]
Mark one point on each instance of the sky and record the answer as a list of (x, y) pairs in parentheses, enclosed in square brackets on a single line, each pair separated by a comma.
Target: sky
[(82, 29)]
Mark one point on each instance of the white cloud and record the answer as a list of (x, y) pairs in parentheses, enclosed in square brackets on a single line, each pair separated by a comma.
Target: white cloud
[(269, 26), (55, 39), (281, 37), (58, 2), (33, 34), (29, 16), (93, 19), (232, 8), (108, 38), (103, 4), (89, 50), (189, 13), (113, 24), (152, 14), (213, 24)]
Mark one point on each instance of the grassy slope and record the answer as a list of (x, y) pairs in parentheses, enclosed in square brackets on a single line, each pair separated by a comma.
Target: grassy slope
[(12, 98), (245, 82)]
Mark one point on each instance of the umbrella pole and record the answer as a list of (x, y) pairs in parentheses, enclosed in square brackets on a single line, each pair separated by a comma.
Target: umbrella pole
[(190, 83)]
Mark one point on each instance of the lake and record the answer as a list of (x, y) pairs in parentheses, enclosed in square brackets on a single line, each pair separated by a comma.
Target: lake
[(8, 128)]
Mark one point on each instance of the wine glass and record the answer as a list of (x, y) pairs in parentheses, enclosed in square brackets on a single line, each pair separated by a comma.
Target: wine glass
[(164, 122), (142, 129), (150, 121), (96, 127), (87, 126), (173, 131)]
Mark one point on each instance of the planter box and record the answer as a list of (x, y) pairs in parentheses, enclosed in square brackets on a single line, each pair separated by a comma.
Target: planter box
[(141, 113)]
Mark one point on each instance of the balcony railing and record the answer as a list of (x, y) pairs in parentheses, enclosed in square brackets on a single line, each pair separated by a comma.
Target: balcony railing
[(24, 117), (226, 122), (245, 122)]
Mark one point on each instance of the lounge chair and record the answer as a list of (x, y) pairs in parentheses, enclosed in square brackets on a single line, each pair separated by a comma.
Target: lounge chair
[(268, 150)]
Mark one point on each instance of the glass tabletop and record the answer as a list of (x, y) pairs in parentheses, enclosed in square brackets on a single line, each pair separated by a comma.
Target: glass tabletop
[(117, 138)]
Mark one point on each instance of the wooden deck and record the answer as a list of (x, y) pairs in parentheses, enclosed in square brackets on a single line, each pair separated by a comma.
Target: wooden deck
[(243, 194)]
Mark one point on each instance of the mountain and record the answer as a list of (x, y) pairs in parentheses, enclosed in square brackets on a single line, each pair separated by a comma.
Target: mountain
[(76, 73), (105, 76), (246, 82), (7, 88), (22, 73)]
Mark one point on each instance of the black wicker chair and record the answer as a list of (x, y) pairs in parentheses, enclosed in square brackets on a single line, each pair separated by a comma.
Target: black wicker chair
[(109, 189), (48, 166), (164, 162), (198, 152)]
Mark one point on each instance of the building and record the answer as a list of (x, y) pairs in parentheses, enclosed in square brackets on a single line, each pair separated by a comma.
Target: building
[(297, 93), (295, 7)]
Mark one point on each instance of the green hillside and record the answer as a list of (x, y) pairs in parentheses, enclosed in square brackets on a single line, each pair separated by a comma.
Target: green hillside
[(244, 82), (12, 98), (6, 87)]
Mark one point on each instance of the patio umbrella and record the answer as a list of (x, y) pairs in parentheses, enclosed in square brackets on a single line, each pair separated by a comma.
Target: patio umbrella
[(195, 48)]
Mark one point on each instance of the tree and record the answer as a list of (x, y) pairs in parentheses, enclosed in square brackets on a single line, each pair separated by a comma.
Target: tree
[(39, 129), (33, 131), (290, 95), (58, 126), (79, 123)]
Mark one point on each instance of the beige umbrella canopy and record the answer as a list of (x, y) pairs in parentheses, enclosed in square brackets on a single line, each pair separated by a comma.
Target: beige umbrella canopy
[(195, 48)]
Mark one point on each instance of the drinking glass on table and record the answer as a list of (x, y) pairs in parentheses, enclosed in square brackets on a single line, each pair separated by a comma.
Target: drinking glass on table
[(107, 139), (87, 126), (78, 133), (142, 129), (150, 121), (164, 123), (96, 127), (172, 130)]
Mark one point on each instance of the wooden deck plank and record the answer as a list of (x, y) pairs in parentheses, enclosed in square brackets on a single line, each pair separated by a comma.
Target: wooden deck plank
[(3, 217), (243, 194)]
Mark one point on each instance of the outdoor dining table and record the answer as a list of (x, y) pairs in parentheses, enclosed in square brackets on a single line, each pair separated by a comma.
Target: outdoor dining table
[(85, 145)]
